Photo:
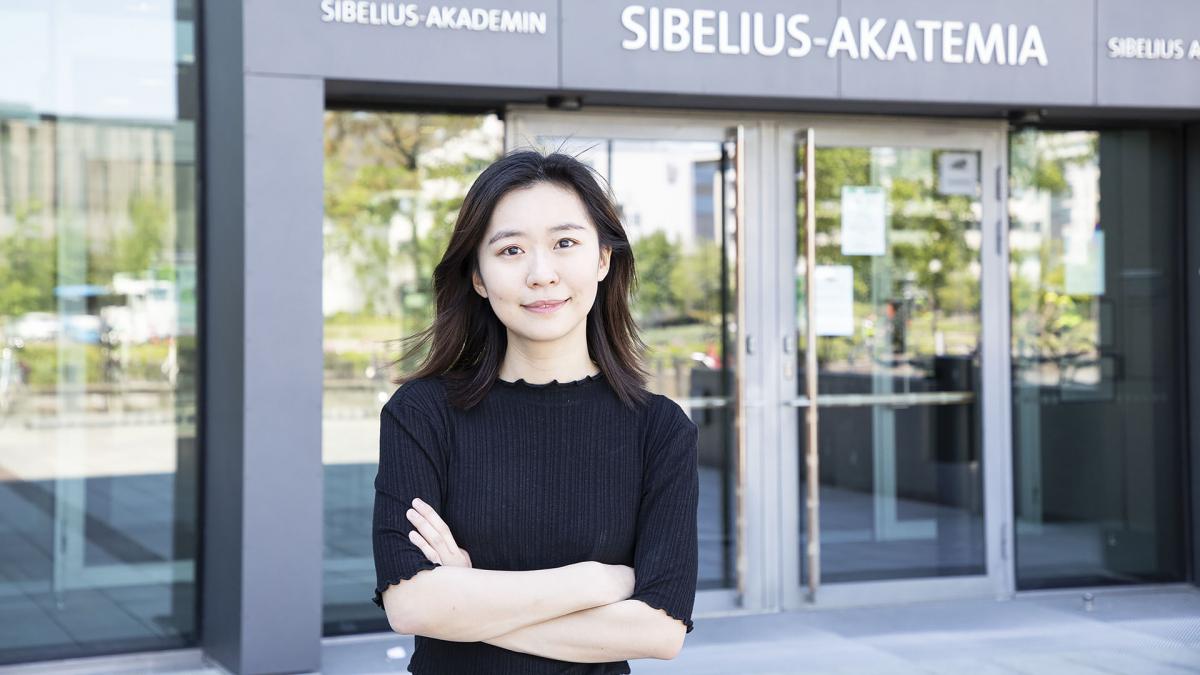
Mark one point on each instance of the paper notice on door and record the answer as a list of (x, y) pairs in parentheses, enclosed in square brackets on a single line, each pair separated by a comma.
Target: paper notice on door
[(833, 293), (1084, 264), (958, 173), (864, 220)]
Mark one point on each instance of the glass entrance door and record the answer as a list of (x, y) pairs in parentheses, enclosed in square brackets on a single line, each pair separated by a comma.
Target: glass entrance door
[(909, 311), (675, 184), (895, 256)]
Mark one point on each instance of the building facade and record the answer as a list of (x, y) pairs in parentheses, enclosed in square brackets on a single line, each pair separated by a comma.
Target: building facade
[(924, 274)]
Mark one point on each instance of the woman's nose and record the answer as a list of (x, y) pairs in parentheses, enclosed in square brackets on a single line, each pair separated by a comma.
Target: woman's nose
[(542, 270)]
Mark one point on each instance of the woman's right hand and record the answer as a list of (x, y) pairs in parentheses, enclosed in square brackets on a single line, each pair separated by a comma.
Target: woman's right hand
[(432, 535)]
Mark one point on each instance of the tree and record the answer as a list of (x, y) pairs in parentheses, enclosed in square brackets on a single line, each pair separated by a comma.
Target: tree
[(27, 265), (696, 280), (394, 183), (379, 168), (655, 257)]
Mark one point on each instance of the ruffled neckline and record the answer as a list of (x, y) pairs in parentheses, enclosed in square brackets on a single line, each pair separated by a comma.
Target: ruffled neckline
[(554, 384)]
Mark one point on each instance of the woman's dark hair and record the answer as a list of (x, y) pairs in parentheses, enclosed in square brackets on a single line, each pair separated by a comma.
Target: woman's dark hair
[(469, 340)]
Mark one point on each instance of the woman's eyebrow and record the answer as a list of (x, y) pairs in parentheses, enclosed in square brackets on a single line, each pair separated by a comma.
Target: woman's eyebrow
[(517, 233)]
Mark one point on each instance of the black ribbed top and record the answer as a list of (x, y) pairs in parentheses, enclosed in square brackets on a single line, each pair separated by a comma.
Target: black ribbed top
[(538, 476)]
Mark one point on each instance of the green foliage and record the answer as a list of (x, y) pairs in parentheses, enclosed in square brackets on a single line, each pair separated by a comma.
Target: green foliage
[(30, 258), (375, 167), (141, 247), (928, 245), (394, 183), (1035, 164), (143, 364), (1047, 321), (655, 257), (27, 265), (696, 281)]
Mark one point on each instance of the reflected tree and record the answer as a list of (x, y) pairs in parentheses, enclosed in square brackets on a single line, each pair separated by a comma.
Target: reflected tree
[(655, 257), (1047, 320), (393, 185), (927, 237), (27, 265)]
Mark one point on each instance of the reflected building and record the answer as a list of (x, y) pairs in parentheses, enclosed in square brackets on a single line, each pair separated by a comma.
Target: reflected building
[(99, 472)]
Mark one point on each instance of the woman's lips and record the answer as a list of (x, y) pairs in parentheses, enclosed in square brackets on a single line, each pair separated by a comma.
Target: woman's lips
[(546, 309)]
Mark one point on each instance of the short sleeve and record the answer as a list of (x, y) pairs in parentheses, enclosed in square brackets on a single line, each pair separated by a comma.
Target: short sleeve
[(666, 550), (411, 464)]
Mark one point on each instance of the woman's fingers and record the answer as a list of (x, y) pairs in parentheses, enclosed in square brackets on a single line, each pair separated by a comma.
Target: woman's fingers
[(463, 559), (437, 522), (430, 554), (435, 534), (428, 531)]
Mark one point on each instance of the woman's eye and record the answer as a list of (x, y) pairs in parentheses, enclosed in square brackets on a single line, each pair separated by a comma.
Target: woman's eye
[(504, 251)]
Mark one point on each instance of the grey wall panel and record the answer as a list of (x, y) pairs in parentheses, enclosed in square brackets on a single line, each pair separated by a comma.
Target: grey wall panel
[(839, 60), (594, 58), (282, 514), (1064, 26), (1161, 66), (290, 38), (698, 47)]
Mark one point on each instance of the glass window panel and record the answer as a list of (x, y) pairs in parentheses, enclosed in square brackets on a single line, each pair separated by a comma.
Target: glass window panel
[(1095, 226), (898, 315), (393, 186), (676, 200), (98, 353)]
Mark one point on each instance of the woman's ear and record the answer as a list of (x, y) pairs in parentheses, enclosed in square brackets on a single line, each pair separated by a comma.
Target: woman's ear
[(477, 282), (605, 254)]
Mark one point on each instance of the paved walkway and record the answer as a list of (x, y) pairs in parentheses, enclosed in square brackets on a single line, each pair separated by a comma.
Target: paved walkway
[(1126, 632)]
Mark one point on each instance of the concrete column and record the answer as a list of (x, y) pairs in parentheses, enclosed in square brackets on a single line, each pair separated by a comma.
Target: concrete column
[(261, 570)]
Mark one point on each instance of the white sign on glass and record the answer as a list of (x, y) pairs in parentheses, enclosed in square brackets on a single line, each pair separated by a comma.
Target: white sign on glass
[(833, 291), (1084, 264), (958, 173), (864, 220)]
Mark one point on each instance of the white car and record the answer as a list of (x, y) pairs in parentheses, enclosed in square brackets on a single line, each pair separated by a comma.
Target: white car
[(36, 327)]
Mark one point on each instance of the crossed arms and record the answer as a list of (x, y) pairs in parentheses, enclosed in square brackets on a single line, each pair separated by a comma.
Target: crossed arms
[(580, 612)]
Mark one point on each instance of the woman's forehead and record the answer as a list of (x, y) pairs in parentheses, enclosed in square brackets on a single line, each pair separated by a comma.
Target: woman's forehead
[(537, 210)]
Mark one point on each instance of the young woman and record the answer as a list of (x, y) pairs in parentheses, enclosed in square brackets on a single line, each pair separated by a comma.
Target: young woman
[(527, 437)]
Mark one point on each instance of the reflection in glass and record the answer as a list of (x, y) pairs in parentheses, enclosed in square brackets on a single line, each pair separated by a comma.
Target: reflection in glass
[(676, 200), (98, 360), (393, 186), (1094, 230), (898, 320)]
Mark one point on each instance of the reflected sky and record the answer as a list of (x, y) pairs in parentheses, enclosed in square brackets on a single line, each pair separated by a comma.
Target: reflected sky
[(91, 58)]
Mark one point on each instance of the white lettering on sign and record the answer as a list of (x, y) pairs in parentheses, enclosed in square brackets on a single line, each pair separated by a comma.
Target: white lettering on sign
[(371, 13), (671, 29), (1175, 49)]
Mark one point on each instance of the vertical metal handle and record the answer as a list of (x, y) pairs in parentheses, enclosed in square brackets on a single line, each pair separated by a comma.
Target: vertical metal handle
[(736, 136), (810, 368)]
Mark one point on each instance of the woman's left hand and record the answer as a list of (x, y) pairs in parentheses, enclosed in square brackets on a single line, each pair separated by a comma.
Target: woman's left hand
[(432, 536)]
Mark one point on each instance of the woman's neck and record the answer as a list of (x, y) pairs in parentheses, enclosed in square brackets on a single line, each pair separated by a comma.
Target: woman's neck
[(565, 360), (511, 371)]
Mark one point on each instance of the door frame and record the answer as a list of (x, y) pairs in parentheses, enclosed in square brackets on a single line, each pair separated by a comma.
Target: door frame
[(989, 137), (768, 496)]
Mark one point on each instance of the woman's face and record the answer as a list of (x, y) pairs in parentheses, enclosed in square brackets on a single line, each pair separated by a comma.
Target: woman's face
[(540, 246)]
